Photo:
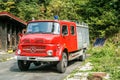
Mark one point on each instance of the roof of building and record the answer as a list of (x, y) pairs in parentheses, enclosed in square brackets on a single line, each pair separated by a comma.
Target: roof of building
[(13, 17)]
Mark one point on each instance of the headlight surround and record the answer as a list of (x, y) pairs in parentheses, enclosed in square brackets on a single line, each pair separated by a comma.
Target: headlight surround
[(50, 52), (19, 51)]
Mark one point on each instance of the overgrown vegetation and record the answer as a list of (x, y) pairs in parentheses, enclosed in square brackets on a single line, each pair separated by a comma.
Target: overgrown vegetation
[(102, 16), (106, 59)]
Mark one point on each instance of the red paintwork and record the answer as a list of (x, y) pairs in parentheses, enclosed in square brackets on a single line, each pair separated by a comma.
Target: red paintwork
[(57, 43)]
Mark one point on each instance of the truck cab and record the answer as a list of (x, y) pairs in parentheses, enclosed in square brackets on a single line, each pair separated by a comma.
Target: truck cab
[(54, 41)]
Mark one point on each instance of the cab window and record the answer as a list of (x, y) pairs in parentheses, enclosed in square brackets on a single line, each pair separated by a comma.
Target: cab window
[(64, 30), (72, 30), (43, 27)]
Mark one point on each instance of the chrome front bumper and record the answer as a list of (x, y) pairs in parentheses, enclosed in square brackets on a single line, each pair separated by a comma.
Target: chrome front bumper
[(29, 58)]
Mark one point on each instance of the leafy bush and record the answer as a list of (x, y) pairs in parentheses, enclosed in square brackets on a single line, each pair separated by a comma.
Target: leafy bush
[(106, 59), (107, 50)]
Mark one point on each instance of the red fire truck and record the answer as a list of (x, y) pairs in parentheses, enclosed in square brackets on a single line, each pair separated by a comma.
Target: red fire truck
[(52, 41)]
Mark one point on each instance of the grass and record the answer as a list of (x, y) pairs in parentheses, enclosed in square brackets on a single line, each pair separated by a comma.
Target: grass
[(106, 59)]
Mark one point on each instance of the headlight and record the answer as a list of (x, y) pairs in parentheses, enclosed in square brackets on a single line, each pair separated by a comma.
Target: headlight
[(50, 52), (19, 51), (58, 46)]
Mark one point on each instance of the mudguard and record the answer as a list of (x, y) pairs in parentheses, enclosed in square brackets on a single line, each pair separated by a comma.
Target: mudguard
[(60, 51)]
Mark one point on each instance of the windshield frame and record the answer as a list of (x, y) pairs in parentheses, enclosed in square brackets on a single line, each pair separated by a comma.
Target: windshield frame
[(52, 27)]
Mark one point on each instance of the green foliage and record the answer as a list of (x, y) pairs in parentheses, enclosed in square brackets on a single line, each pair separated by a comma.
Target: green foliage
[(65, 9), (27, 11), (106, 59), (102, 16), (107, 50), (8, 6)]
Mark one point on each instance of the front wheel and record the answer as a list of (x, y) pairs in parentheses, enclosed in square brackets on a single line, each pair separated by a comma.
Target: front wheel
[(62, 65), (37, 63), (23, 65)]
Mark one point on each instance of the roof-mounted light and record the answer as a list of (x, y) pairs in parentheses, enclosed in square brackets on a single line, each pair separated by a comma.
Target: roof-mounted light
[(56, 17)]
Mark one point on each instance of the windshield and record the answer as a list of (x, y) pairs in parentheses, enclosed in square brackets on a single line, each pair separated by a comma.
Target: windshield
[(43, 27)]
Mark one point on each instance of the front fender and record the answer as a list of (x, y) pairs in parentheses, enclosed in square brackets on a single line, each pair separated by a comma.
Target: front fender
[(60, 51)]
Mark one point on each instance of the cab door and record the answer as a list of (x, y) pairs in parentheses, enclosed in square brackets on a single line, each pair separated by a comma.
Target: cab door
[(66, 36), (73, 38)]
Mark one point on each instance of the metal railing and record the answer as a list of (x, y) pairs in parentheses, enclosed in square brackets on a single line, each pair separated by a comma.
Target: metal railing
[(81, 24)]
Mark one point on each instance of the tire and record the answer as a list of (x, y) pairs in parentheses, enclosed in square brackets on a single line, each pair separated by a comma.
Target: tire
[(23, 65), (62, 65), (83, 56), (37, 63)]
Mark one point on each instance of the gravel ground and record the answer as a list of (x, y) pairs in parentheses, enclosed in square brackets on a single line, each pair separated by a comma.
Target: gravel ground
[(4, 56)]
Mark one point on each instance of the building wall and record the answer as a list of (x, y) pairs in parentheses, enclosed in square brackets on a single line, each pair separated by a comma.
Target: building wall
[(9, 31), (3, 34), (0, 36)]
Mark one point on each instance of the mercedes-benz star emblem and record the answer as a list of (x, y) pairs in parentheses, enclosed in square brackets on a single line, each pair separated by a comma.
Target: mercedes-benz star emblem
[(33, 49)]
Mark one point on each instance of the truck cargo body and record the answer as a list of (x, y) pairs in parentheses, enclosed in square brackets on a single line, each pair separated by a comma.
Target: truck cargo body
[(83, 36)]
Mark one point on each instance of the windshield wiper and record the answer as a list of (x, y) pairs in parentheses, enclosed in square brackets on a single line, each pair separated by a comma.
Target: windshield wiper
[(40, 32), (34, 32), (29, 32), (46, 32)]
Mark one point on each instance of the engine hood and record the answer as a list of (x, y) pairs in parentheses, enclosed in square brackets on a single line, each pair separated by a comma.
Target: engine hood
[(40, 38)]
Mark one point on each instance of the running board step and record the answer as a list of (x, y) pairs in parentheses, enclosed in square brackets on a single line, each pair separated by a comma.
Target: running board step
[(75, 55)]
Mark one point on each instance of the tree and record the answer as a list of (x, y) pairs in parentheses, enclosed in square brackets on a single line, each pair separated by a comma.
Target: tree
[(7, 6), (28, 10), (101, 15)]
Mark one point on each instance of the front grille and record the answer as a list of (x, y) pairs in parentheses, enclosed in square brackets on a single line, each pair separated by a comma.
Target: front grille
[(39, 40), (36, 40), (26, 41), (34, 49)]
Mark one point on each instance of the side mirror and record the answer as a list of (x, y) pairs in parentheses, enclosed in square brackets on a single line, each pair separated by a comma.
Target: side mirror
[(20, 35)]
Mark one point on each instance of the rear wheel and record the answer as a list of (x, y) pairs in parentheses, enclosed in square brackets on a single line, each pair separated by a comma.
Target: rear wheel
[(83, 56), (23, 65), (62, 65)]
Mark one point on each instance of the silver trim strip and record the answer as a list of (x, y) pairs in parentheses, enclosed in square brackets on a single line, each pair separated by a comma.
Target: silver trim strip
[(29, 58), (75, 55)]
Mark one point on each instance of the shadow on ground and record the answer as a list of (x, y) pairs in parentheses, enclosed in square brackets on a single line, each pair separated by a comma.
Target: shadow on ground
[(45, 68)]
